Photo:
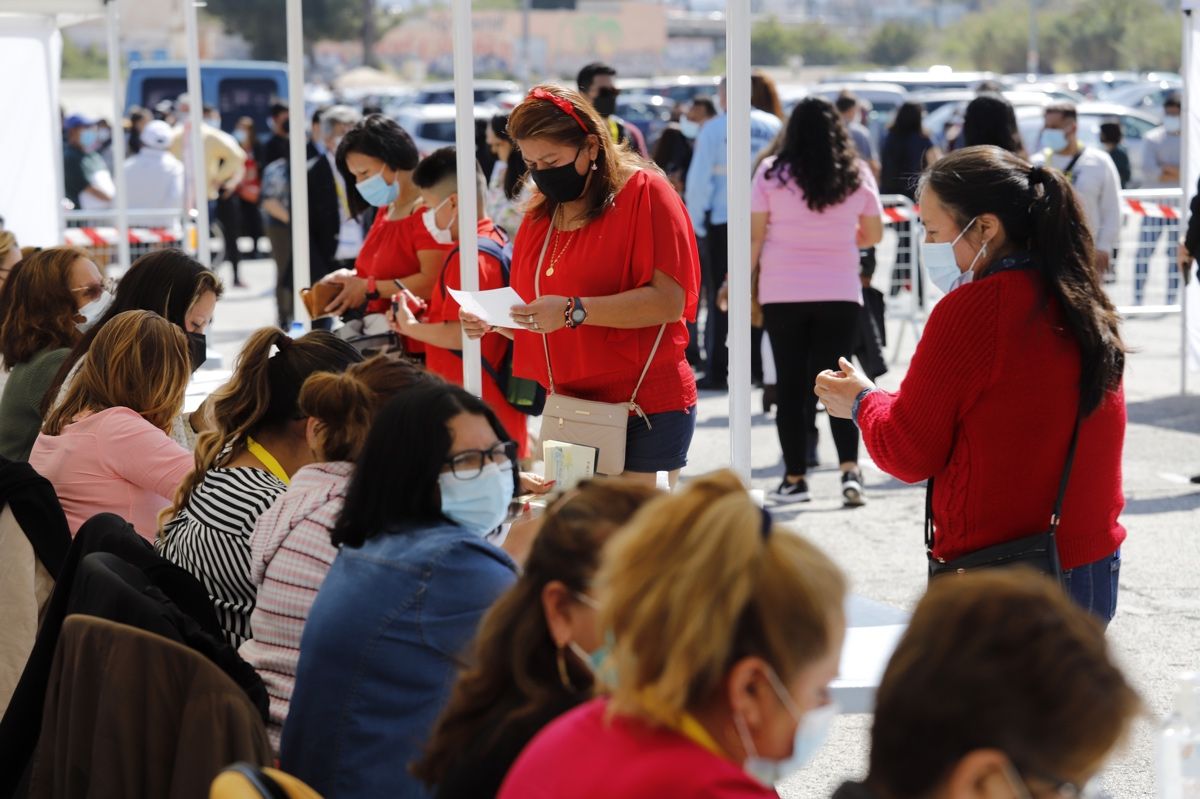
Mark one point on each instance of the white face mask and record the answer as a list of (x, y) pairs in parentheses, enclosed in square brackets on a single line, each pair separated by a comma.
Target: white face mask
[(92, 312), (440, 235), (1173, 124), (811, 731), (938, 261), (688, 127), (479, 504)]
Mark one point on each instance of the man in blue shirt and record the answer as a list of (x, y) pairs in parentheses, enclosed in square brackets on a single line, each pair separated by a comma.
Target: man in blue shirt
[(706, 197)]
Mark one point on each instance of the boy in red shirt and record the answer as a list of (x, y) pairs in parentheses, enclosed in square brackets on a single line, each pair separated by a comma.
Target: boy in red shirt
[(437, 178)]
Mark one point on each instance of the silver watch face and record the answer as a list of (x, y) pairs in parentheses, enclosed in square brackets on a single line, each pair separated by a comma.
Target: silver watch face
[(578, 315)]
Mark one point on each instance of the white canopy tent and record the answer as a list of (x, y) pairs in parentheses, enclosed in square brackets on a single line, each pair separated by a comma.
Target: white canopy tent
[(1190, 176)]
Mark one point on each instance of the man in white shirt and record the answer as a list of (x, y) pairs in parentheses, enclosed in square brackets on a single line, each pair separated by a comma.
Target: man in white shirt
[(1161, 156), (1092, 173), (154, 177)]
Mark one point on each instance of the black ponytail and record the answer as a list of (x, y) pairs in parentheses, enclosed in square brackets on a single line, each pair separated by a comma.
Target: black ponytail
[(1040, 213)]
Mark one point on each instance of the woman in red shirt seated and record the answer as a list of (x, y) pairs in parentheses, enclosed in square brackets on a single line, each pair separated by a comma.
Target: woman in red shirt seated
[(378, 157), (1026, 343), (606, 257), (725, 633)]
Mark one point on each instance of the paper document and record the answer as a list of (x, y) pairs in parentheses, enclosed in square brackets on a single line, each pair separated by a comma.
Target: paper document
[(491, 306)]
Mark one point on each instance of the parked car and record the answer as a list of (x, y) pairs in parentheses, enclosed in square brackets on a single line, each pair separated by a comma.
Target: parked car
[(944, 108), (914, 81), (679, 89), (235, 88), (433, 127), (1148, 96), (443, 93), (650, 113)]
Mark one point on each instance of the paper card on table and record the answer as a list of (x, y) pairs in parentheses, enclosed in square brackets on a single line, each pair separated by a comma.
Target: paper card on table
[(491, 306)]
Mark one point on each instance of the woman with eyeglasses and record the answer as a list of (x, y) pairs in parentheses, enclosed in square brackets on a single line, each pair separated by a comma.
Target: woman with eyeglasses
[(47, 301), (548, 620), (173, 285), (415, 574), (1001, 688)]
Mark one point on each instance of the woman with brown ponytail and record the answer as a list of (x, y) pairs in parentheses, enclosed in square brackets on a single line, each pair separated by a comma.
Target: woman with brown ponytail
[(1024, 351), (290, 546), (723, 633), (531, 660), (243, 465)]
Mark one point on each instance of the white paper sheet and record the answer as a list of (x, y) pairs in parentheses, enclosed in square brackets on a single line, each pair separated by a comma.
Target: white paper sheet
[(491, 306)]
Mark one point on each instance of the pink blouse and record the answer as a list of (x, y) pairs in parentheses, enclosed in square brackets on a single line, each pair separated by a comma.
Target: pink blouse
[(113, 461)]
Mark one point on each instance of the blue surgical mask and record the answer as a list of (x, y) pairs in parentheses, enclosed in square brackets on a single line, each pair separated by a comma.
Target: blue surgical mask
[(88, 140), (479, 504), (378, 192), (1054, 139), (1173, 124), (689, 128), (811, 731), (937, 259)]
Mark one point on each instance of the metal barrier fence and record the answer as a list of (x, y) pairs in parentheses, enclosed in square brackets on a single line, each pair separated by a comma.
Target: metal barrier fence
[(149, 230), (896, 263)]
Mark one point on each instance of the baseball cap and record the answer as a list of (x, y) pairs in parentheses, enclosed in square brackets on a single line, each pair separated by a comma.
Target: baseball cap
[(156, 135), (78, 121)]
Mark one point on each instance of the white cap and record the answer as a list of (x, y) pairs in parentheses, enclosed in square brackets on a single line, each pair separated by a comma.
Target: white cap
[(156, 135)]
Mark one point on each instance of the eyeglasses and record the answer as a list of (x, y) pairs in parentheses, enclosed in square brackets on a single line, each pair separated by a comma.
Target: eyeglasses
[(1054, 786), (468, 464), (94, 290)]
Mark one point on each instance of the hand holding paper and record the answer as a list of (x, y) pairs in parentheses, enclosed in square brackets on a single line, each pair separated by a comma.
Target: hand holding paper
[(491, 306)]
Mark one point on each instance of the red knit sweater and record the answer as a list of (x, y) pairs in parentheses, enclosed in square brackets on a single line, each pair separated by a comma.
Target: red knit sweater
[(987, 408)]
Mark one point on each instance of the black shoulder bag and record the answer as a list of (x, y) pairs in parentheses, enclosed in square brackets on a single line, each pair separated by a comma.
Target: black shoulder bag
[(1038, 551)]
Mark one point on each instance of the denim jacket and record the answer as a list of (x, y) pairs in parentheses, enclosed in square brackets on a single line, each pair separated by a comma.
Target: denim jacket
[(380, 652)]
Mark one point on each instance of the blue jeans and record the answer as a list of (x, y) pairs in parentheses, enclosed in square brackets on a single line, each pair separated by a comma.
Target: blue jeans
[(1152, 230), (1094, 586)]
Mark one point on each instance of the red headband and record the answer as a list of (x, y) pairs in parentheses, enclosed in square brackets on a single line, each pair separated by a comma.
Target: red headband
[(563, 105)]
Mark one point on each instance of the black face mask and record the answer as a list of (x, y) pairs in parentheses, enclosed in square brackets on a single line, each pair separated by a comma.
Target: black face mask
[(197, 349), (560, 184), (606, 102)]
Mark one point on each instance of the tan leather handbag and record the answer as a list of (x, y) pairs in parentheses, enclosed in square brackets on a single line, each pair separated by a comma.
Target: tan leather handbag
[(603, 425)]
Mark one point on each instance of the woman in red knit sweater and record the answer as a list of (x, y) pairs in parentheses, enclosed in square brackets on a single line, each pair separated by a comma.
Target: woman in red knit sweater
[(1025, 341)]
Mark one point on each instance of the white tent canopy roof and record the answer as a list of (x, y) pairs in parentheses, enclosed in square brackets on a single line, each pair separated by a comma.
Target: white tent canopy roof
[(47, 8)]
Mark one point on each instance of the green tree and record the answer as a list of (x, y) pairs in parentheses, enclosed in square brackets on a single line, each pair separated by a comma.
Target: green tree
[(820, 44), (895, 44), (83, 64), (1120, 34), (261, 22), (997, 38), (770, 43)]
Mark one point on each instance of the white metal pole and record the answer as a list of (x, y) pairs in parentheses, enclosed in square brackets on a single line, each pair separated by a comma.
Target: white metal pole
[(54, 75), (195, 158), (464, 137), (737, 59), (1189, 175), (297, 125), (525, 63), (118, 139)]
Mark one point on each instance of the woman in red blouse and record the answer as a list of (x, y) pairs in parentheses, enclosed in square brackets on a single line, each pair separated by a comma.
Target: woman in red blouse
[(620, 261), (378, 156), (1025, 342)]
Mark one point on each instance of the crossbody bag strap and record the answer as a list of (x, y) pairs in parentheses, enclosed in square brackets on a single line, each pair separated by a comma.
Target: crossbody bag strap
[(537, 291), (1056, 518)]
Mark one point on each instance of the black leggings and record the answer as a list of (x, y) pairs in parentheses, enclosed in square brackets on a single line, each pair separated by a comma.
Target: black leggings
[(806, 338)]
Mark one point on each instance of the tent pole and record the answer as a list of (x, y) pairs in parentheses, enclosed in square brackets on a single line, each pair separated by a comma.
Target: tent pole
[(737, 49), (195, 157), (464, 136), (118, 139), (298, 124)]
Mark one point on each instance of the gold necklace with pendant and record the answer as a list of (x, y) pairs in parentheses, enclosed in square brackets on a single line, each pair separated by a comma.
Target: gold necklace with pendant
[(555, 252)]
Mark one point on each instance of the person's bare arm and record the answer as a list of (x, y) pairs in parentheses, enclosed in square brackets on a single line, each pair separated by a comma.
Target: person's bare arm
[(661, 302), (870, 231), (276, 210)]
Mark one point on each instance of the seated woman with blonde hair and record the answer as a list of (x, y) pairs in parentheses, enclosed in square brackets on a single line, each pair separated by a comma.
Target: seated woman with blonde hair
[(105, 448), (725, 634)]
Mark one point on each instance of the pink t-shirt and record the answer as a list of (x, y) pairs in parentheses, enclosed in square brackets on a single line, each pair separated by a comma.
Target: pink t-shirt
[(810, 256), (113, 461)]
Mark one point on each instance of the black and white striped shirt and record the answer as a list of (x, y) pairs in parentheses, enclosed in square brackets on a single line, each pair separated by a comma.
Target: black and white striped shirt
[(210, 538)]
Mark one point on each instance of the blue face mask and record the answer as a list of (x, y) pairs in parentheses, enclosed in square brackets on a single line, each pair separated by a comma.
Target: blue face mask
[(479, 504), (812, 728), (88, 139), (1054, 139), (378, 192), (938, 261)]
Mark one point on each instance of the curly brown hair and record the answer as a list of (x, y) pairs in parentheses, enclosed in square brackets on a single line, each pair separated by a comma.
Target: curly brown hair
[(38, 311), (817, 154)]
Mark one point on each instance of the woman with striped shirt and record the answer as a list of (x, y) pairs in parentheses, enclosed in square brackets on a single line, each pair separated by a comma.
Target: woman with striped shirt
[(245, 464), (290, 546)]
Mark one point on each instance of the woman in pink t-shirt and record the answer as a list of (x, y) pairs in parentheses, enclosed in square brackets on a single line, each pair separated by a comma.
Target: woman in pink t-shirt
[(105, 448), (813, 206)]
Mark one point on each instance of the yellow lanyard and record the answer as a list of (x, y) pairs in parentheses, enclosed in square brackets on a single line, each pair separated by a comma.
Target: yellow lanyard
[(259, 451), (694, 730), (614, 130)]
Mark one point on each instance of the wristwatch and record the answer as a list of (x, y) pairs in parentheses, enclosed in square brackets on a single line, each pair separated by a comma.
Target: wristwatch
[(372, 288), (576, 314)]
